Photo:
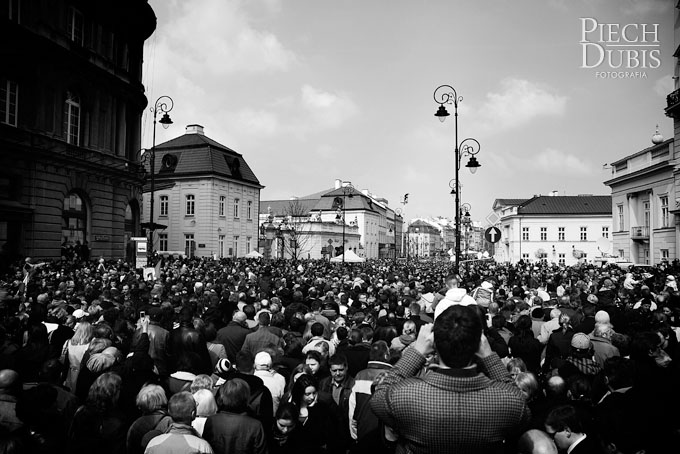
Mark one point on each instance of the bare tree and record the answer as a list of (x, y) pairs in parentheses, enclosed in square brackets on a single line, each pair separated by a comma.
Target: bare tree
[(299, 229)]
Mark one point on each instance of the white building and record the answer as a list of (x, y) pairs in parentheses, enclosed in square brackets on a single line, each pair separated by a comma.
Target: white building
[(371, 228), (206, 195), (645, 204), (559, 229)]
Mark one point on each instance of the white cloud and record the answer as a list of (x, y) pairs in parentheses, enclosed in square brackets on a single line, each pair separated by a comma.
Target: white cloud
[(664, 85), (519, 102), (557, 162), (226, 37), (327, 109)]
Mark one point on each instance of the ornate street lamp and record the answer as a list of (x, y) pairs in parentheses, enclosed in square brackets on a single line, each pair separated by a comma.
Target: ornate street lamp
[(446, 94), (164, 104), (347, 192)]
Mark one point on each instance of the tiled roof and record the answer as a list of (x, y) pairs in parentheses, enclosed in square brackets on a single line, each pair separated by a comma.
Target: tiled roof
[(192, 154), (587, 204), (284, 207), (508, 202)]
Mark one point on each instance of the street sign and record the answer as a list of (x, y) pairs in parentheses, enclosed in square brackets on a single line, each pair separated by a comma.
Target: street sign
[(492, 234)]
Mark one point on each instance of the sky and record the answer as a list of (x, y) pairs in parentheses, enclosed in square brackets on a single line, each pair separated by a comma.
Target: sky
[(310, 91)]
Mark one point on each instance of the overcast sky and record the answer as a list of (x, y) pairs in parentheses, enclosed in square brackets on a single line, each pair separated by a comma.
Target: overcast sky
[(313, 90)]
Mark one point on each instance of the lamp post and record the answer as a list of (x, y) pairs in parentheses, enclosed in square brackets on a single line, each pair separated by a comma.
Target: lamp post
[(164, 104), (466, 220), (446, 94), (397, 214), (347, 191), (269, 231)]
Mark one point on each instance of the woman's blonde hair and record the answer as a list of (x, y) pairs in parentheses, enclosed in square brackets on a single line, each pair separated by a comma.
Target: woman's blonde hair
[(83, 334)]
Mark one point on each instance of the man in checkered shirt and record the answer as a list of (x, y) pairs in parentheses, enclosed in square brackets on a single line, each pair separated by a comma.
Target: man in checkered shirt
[(468, 404)]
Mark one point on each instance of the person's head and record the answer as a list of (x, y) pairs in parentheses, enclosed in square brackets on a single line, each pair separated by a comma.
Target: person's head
[(244, 362), (563, 424), (263, 361), (182, 407), (151, 398), (233, 396), (201, 381), (104, 392), (305, 391), (366, 333), (535, 441), (457, 333), (338, 367), (379, 351), (205, 403), (316, 329), (451, 281), (409, 328), (286, 417), (313, 361), (82, 334), (515, 366), (556, 388), (528, 383), (264, 319)]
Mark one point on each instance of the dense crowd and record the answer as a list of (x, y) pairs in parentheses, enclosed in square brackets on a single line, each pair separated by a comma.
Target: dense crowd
[(248, 356)]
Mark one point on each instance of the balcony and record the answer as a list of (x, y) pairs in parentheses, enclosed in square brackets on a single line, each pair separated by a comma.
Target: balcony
[(673, 104), (639, 233)]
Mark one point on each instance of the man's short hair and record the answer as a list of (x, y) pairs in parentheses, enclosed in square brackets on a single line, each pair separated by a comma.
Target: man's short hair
[(380, 351), (182, 407), (264, 318), (317, 329), (563, 417), (457, 333), (366, 333), (244, 362), (451, 280), (338, 360)]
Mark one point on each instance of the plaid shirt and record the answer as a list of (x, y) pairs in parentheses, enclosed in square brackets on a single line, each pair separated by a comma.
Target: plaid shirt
[(450, 410)]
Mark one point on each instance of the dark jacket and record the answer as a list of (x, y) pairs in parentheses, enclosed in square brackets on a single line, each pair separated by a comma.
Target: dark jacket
[(235, 432), (186, 340), (232, 337)]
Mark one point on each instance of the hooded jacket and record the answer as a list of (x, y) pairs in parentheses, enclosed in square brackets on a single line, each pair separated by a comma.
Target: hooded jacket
[(454, 296)]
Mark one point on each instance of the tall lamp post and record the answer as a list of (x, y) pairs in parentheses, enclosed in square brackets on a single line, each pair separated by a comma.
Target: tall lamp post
[(446, 94), (164, 104), (397, 214), (466, 220), (347, 191)]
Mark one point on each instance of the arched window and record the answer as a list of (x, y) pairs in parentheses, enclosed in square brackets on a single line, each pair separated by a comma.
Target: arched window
[(74, 219), (72, 118)]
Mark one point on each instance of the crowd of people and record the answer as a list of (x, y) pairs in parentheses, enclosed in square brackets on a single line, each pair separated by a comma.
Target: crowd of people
[(249, 356)]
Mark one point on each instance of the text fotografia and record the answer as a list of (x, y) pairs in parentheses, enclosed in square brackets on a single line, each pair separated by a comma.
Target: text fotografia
[(620, 51)]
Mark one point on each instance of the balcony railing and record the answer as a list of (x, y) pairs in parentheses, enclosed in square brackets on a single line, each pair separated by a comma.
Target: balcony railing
[(639, 233), (673, 104)]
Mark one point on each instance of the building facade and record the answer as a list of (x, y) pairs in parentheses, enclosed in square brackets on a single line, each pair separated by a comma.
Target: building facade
[(371, 228), (71, 103), (644, 204), (207, 197), (559, 229), (424, 239)]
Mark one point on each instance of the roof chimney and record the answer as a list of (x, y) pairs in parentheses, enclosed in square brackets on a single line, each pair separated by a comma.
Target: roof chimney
[(338, 183), (195, 129)]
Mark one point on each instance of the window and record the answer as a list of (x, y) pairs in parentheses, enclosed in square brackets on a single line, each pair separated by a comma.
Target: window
[(189, 244), (163, 205), (619, 209), (544, 233), (220, 245), (645, 208), (561, 258), (74, 220), (72, 118), (560, 233), (664, 210), (605, 232), (584, 233), (223, 201), (249, 211), (76, 26), (162, 242), (236, 208), (190, 205), (248, 243), (525, 234), (8, 102), (622, 253), (664, 255), (236, 246), (525, 256)]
